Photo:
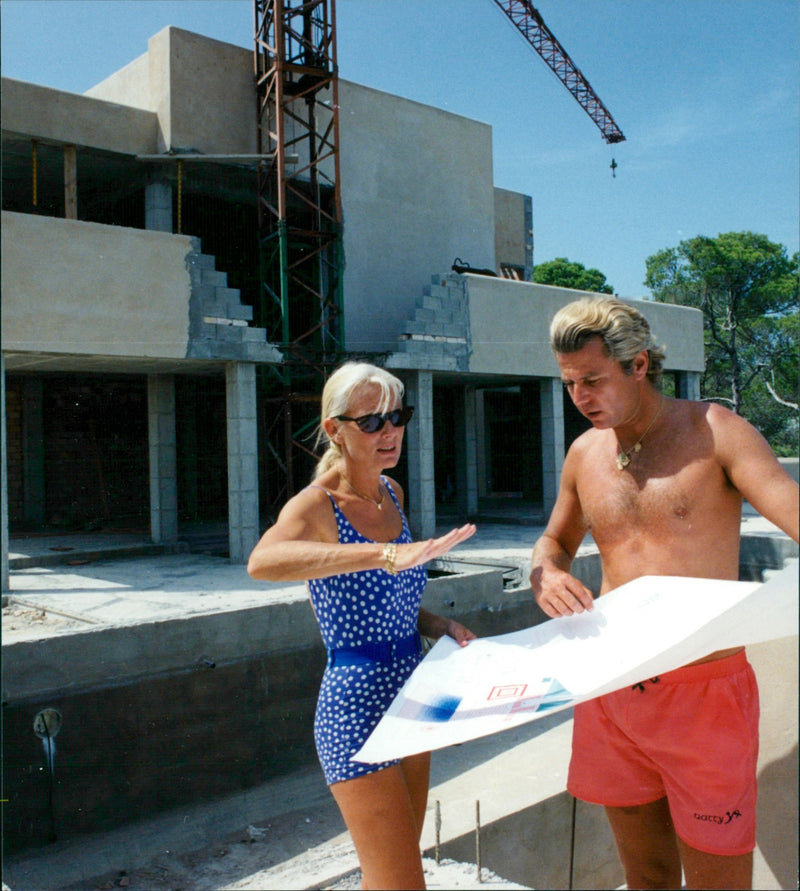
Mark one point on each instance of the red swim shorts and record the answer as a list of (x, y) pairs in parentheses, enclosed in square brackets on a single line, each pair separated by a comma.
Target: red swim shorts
[(690, 735)]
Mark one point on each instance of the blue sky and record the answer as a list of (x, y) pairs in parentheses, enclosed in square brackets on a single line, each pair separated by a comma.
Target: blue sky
[(706, 92)]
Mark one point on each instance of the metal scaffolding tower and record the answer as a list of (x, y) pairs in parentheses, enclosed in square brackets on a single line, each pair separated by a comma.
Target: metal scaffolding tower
[(530, 24), (299, 208)]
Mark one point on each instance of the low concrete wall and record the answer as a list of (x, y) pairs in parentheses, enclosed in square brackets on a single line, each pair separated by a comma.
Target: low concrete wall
[(510, 324), (792, 467), (183, 711)]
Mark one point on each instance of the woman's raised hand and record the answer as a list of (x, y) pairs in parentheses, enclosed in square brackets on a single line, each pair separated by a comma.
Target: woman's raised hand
[(419, 552)]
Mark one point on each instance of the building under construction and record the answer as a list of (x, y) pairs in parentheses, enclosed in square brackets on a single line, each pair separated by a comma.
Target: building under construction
[(190, 247)]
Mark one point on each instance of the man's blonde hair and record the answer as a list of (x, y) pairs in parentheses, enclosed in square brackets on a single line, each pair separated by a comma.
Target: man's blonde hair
[(337, 394), (623, 330)]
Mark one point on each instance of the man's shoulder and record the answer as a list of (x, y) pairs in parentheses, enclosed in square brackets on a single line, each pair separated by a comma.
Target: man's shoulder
[(587, 440), (713, 414), (584, 445)]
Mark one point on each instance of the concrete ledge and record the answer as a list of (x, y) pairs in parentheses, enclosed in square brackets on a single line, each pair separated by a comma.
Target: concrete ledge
[(526, 816)]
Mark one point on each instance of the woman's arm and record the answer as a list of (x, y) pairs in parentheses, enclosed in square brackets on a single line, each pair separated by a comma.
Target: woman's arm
[(303, 544)]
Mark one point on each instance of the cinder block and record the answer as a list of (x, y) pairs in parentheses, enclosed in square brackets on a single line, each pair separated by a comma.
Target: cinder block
[(438, 290), (237, 310), (214, 277), (415, 327), (254, 335), (228, 295), (205, 294)]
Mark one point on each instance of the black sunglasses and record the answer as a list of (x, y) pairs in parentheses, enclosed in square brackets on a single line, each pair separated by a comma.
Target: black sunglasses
[(399, 417)]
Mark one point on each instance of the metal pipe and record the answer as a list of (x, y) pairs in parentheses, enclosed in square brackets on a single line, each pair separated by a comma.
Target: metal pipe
[(478, 840), (438, 830), (193, 156)]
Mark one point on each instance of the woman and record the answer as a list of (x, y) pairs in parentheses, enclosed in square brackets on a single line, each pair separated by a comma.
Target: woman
[(348, 536)]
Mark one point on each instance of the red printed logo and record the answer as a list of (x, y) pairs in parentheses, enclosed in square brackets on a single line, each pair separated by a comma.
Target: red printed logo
[(508, 691)]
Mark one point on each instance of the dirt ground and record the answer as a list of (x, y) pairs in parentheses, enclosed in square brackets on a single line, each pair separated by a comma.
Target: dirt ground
[(303, 849), (259, 858), (22, 622)]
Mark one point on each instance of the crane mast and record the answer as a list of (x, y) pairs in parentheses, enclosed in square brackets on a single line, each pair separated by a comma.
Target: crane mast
[(530, 24), (299, 205), (299, 217)]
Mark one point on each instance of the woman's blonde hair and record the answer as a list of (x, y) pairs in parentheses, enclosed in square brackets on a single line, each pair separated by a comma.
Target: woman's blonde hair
[(337, 394), (624, 331)]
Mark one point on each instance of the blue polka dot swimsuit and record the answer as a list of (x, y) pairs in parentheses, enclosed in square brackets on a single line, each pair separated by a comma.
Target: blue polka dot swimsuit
[(353, 609)]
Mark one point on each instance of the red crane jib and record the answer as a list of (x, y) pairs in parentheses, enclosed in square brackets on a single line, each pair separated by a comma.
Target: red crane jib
[(528, 21)]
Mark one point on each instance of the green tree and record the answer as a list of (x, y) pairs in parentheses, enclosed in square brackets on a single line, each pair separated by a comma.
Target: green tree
[(747, 289), (567, 274)]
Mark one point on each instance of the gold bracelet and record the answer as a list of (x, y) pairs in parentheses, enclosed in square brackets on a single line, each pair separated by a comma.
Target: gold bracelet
[(389, 554)]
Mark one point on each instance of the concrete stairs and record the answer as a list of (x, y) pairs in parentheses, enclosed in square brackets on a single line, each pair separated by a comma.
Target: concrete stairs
[(439, 329), (219, 321)]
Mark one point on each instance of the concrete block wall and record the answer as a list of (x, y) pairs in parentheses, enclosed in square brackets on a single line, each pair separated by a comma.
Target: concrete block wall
[(439, 330), (218, 320)]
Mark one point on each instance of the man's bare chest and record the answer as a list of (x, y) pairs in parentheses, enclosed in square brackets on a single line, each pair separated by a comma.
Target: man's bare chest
[(646, 496)]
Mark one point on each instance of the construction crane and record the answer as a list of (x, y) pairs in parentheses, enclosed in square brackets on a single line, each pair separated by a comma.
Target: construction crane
[(530, 24)]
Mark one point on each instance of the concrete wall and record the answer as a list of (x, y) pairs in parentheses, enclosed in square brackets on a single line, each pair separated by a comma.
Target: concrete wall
[(128, 86), (202, 91), (160, 714), (511, 237), (417, 192), (71, 287), (166, 713), (510, 323), (31, 110), (416, 182)]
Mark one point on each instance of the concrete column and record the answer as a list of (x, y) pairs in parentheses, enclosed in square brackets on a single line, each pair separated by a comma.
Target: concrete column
[(70, 182), (3, 479), (158, 205), (481, 451), (163, 461), (471, 450), (553, 452), (33, 451), (243, 525), (421, 500), (687, 384)]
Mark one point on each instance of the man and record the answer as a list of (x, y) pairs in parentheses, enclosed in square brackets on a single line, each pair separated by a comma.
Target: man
[(659, 483)]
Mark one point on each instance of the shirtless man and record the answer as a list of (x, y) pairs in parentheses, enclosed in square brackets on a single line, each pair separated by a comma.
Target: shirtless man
[(659, 484)]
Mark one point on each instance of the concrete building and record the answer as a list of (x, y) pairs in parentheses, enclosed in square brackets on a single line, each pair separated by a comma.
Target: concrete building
[(133, 354)]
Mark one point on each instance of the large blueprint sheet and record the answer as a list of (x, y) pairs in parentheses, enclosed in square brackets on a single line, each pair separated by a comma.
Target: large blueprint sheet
[(642, 629)]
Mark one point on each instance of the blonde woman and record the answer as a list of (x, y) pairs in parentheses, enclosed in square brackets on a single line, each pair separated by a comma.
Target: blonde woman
[(347, 535)]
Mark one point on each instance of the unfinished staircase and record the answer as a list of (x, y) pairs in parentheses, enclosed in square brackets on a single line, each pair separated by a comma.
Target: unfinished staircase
[(439, 332), (219, 323)]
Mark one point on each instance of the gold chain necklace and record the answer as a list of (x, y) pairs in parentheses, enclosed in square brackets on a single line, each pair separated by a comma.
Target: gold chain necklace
[(378, 503), (624, 455)]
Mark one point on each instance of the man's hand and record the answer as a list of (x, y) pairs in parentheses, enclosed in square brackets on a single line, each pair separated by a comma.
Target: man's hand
[(558, 593)]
